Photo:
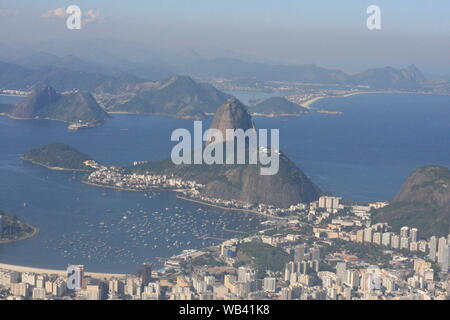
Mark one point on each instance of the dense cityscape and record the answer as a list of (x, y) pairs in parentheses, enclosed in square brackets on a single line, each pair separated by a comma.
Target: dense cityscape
[(213, 159), (324, 250)]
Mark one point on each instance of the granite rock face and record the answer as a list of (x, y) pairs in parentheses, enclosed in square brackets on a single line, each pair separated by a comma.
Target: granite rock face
[(242, 182), (232, 115), (46, 103)]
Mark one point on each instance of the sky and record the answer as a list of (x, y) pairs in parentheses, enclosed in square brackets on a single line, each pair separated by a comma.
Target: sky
[(330, 33)]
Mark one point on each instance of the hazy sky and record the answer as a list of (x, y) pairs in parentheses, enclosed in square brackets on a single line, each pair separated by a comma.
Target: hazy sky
[(331, 33)]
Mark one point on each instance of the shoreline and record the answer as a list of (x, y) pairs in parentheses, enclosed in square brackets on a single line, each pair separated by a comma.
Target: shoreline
[(178, 196), (227, 208), (92, 184), (155, 114), (48, 119), (53, 168), (308, 103), (281, 115), (97, 275), (13, 95)]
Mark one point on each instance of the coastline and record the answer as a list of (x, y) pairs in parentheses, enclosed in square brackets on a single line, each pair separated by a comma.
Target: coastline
[(128, 189), (173, 116), (178, 191), (281, 115), (227, 208), (97, 275), (308, 103), (53, 168), (92, 125)]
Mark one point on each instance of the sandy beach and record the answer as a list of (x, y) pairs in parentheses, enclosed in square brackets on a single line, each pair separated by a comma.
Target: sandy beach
[(308, 104), (63, 273)]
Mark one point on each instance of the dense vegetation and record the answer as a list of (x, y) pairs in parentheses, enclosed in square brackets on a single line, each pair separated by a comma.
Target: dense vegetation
[(372, 254), (11, 227), (207, 260), (57, 155), (264, 256), (423, 202), (277, 106)]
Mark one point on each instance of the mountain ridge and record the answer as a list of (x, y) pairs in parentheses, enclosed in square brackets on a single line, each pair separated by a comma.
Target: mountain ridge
[(179, 96), (423, 202), (45, 103), (276, 107)]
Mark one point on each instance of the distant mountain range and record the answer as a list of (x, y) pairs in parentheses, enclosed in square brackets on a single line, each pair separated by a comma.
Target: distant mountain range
[(277, 106), (130, 87), (46, 103), (27, 69), (388, 77), (380, 78), (179, 96), (238, 69), (422, 202), (13, 76)]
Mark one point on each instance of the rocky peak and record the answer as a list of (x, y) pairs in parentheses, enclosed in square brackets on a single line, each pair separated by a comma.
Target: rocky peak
[(232, 115), (36, 101)]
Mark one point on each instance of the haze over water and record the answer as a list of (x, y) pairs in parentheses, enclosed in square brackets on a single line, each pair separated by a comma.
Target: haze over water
[(363, 154)]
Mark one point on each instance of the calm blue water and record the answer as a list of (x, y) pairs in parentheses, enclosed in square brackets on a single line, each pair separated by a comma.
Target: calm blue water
[(364, 154)]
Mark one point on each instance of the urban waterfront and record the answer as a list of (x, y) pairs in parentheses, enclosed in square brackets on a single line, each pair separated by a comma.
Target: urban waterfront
[(115, 231)]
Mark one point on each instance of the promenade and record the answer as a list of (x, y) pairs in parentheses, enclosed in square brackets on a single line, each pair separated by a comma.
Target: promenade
[(62, 273)]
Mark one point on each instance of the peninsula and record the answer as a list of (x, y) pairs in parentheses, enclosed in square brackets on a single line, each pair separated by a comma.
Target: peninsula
[(12, 229), (58, 156)]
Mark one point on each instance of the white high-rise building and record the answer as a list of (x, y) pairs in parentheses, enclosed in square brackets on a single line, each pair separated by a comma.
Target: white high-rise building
[(353, 278), (414, 235), (331, 204), (341, 271), (246, 274), (404, 243), (395, 241), (38, 293), (433, 248), (377, 238), (270, 284), (368, 235), (404, 232), (386, 239), (443, 254)]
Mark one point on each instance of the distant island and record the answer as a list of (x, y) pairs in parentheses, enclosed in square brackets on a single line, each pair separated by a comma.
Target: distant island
[(58, 156), (277, 107), (77, 108), (12, 229)]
